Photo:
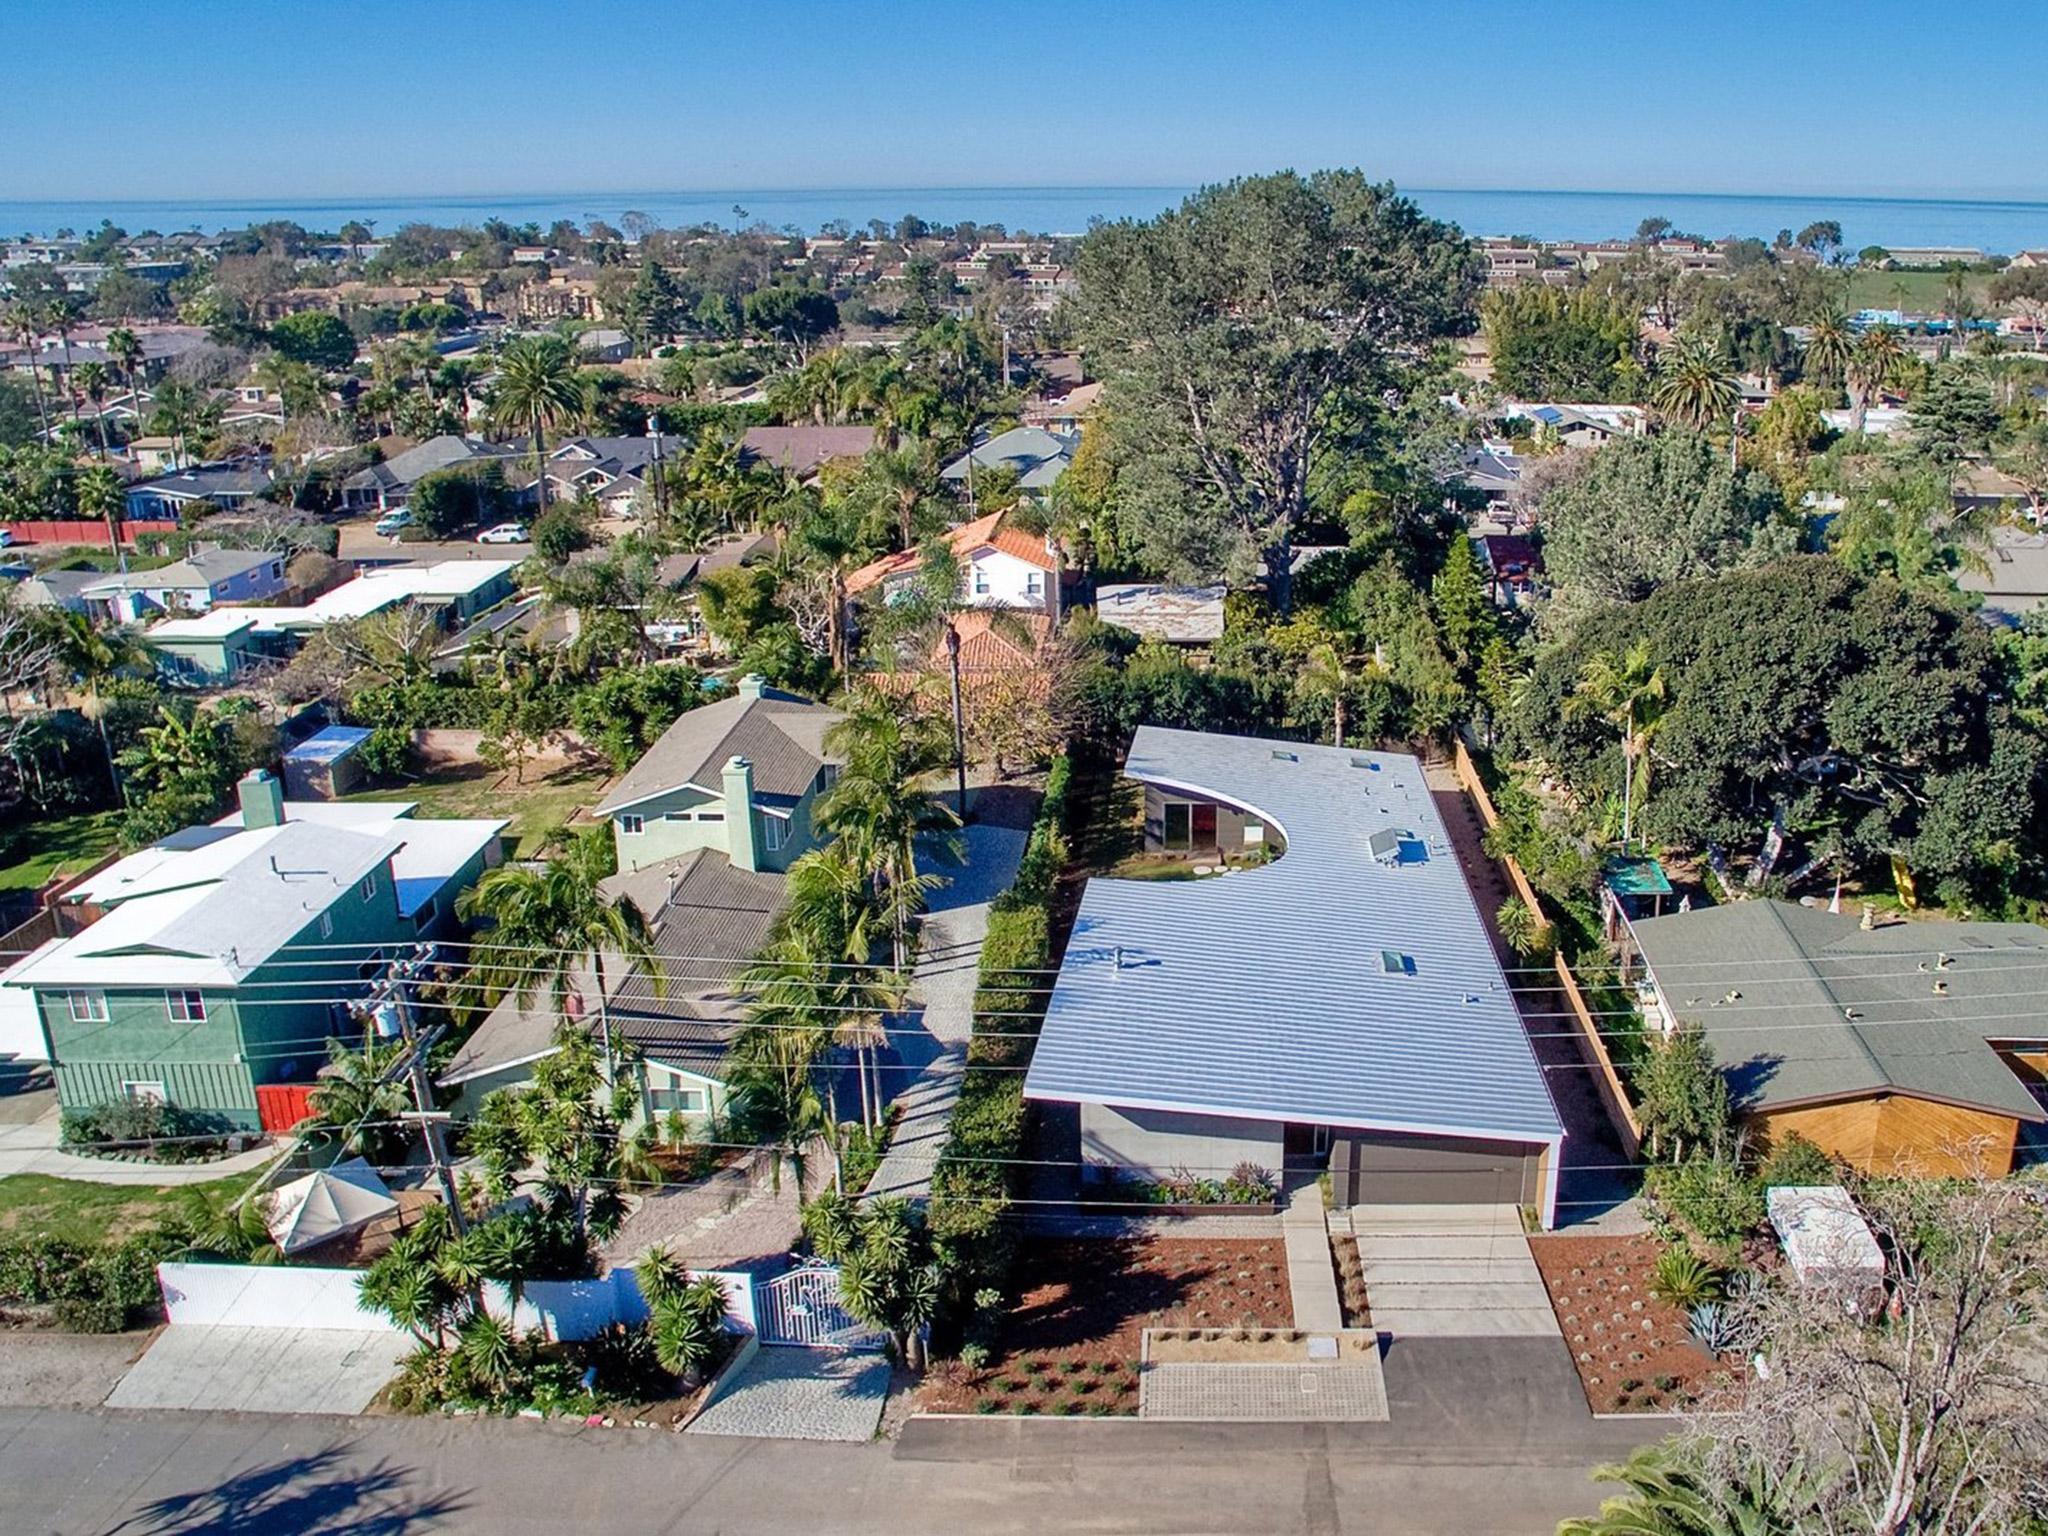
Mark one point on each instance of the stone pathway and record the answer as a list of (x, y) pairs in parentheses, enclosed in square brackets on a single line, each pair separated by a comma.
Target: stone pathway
[(732, 1220), (1311, 1277), (787, 1393), (1451, 1271), (948, 969), (1265, 1393)]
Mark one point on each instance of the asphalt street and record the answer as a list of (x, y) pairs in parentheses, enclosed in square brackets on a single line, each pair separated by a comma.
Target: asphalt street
[(1447, 1463)]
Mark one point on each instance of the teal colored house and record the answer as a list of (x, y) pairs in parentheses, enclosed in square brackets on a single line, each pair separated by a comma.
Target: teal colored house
[(216, 963), (706, 825)]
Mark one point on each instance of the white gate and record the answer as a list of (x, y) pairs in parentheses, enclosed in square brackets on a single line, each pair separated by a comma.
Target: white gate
[(803, 1307)]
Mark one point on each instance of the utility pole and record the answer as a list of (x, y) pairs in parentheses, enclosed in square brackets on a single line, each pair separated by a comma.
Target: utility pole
[(415, 1062), (660, 486), (959, 734)]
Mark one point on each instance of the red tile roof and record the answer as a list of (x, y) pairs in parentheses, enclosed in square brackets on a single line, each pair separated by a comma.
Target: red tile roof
[(965, 542)]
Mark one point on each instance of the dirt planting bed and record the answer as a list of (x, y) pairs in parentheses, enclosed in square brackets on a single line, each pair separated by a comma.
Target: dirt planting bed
[(1071, 1342), (1351, 1297), (1634, 1353)]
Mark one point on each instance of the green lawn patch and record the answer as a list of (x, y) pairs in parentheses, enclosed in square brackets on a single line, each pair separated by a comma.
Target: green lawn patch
[(36, 852), (1914, 292), (93, 1214), (538, 807)]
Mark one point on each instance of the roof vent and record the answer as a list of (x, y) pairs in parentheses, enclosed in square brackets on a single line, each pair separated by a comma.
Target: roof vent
[(1366, 763), (1395, 845), (1280, 756), (1394, 963)]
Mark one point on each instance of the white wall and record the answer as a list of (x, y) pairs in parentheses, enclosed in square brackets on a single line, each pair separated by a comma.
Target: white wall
[(295, 1296), (21, 1026), (1008, 578)]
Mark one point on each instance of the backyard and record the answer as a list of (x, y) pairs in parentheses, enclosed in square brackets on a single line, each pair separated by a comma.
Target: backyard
[(91, 1215), (36, 852), (1070, 1345), (545, 802)]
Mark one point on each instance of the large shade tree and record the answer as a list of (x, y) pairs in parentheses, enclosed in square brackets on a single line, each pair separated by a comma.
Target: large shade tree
[(1230, 331)]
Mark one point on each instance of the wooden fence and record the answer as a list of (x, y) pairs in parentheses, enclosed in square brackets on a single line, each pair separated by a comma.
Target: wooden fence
[(72, 530), (1592, 1044)]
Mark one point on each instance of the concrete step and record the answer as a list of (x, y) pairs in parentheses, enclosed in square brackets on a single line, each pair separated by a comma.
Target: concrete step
[(1444, 1323), (1469, 1296), (1415, 1247), (1506, 1270), (1396, 1220)]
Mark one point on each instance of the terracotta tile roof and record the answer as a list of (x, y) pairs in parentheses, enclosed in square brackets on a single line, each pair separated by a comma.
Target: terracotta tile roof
[(983, 533)]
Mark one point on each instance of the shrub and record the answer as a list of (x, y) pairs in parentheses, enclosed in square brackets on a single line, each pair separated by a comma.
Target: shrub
[(974, 1355), (1683, 1280), (161, 1133), (990, 1405), (1713, 1198), (1795, 1160)]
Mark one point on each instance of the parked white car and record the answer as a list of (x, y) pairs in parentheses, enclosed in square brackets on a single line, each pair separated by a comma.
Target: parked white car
[(392, 521), (504, 533)]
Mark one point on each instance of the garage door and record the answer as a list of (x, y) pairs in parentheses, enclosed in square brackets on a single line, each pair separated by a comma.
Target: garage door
[(1419, 1170)]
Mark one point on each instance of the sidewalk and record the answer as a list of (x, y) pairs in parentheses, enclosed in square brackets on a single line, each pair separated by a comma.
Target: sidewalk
[(33, 1148)]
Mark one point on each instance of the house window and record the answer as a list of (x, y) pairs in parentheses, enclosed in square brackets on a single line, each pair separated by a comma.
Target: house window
[(423, 918), (186, 1007), (827, 777), (87, 1007), (1178, 825), (632, 826), (1034, 584), (1254, 833), (711, 815), (772, 833), (368, 887), (145, 1093), (326, 925), (675, 1101)]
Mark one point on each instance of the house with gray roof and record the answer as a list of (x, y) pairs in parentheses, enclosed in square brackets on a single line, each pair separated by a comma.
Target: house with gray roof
[(1326, 1000), (205, 577), (226, 486), (1037, 457), (1899, 1047), (740, 776), (386, 486)]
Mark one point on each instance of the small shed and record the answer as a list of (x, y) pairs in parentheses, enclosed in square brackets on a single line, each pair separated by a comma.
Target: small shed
[(326, 764), (1826, 1239)]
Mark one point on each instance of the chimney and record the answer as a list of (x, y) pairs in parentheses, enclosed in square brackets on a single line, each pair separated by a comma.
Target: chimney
[(753, 686), (741, 844), (262, 799)]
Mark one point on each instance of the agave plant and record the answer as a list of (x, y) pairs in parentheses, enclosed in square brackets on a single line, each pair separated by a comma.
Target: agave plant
[(1711, 1327), (1683, 1280)]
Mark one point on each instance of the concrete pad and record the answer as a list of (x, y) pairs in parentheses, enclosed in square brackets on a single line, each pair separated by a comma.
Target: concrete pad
[(263, 1370), (1451, 1272), (1451, 1323), (1501, 1271), (1352, 1392), (64, 1370), (1440, 1247)]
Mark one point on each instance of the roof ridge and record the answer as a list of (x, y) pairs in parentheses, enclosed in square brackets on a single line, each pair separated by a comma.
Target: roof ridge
[(1848, 1014)]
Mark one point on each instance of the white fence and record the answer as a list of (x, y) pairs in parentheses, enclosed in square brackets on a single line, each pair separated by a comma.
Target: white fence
[(294, 1296)]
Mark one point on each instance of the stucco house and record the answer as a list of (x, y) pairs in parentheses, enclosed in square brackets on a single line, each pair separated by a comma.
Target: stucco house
[(1035, 456), (1327, 1000), (999, 567), (387, 486), (215, 964)]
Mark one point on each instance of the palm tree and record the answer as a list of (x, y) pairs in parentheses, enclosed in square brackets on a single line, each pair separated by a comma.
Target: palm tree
[(95, 655), (179, 411), (101, 495), (506, 1249), (537, 387), (1629, 693), (773, 1079), (358, 1095), (489, 1349), (1671, 1492), (831, 903), (1693, 383), (228, 1225), (1327, 671), (552, 927), (1829, 342), (1875, 363), (91, 381), (125, 348), (25, 319), (881, 804)]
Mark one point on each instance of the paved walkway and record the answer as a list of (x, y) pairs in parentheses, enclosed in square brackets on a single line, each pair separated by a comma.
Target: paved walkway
[(1311, 1276), (33, 1148), (263, 1370), (734, 1219), (788, 1393), (1265, 1393), (948, 968), (1451, 1271)]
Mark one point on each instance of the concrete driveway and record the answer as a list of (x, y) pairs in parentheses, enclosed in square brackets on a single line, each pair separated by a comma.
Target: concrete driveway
[(64, 1370), (1451, 1271), (361, 543), (263, 1370)]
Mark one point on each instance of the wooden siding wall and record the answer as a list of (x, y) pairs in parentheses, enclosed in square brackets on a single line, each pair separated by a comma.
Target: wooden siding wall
[(1894, 1134), (2030, 1062)]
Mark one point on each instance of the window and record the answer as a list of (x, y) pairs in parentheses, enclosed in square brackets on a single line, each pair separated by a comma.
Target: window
[(326, 925), (1394, 963), (632, 826), (1034, 584), (675, 1101), (1178, 827), (711, 815), (145, 1093), (1254, 833), (87, 1007), (186, 1007), (980, 582), (423, 919), (773, 831), (368, 887), (827, 777)]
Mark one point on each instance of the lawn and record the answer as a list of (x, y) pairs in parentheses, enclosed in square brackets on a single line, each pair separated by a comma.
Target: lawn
[(37, 852), (537, 807), (1915, 292), (92, 1214), (1071, 1343)]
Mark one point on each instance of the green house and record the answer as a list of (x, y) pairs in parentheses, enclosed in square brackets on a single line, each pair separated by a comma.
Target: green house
[(217, 962)]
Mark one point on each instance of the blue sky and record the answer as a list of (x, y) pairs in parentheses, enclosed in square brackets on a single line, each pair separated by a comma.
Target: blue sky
[(279, 98)]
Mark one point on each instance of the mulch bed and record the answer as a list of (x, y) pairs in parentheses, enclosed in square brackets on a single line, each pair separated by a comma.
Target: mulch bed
[(1071, 1343), (1634, 1354), (1352, 1300)]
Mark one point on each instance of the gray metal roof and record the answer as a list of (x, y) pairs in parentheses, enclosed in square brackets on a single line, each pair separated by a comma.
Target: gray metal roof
[(1801, 1004), (782, 734), (1266, 993)]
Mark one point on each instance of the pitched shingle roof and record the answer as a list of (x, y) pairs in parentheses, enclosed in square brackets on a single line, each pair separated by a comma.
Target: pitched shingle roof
[(782, 734), (1801, 1004)]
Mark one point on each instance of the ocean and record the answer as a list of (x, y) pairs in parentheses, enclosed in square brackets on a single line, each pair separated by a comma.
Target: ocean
[(1997, 226)]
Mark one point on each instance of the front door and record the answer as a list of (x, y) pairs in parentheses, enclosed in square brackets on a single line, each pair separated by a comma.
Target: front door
[(1204, 827)]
